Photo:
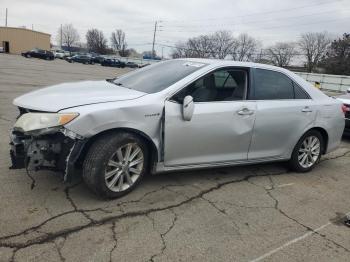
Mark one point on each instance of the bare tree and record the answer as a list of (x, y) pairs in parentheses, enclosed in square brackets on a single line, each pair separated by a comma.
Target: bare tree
[(181, 50), (201, 46), (244, 48), (314, 45), (95, 41), (68, 36), (281, 54), (119, 42), (222, 44), (218, 45)]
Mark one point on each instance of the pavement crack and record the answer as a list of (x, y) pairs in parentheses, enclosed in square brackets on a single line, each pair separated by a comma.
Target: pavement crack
[(163, 235), (4, 119), (114, 234), (222, 211), (345, 154), (59, 247), (73, 204), (277, 207), (5, 240)]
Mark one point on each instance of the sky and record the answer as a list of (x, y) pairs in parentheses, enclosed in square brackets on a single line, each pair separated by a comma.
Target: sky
[(269, 21)]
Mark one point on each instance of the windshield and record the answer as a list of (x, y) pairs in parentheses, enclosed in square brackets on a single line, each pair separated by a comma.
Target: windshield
[(159, 76)]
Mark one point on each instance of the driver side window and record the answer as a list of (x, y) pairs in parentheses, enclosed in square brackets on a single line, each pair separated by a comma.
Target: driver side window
[(220, 85)]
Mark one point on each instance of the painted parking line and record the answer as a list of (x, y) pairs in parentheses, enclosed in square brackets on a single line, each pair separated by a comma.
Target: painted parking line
[(293, 241)]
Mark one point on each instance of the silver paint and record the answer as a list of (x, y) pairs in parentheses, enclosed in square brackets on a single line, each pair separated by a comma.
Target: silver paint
[(218, 134)]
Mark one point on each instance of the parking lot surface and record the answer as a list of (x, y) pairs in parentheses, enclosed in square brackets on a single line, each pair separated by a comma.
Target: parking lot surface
[(250, 213)]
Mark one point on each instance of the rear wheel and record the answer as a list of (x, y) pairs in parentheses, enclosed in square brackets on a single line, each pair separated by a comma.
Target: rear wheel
[(307, 152), (115, 164)]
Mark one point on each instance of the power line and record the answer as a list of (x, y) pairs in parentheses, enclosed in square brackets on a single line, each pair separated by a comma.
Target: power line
[(268, 28), (263, 52), (255, 21), (260, 13)]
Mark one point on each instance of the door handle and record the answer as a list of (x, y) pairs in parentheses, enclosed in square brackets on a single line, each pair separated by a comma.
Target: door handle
[(306, 110), (245, 112)]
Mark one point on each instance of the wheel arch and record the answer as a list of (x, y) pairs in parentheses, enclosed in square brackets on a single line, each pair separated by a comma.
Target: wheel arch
[(324, 135), (149, 142)]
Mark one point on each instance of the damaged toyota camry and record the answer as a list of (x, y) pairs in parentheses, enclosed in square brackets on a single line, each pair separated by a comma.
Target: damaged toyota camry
[(174, 115)]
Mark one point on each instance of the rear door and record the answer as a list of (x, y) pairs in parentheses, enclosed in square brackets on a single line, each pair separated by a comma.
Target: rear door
[(284, 110), (222, 123)]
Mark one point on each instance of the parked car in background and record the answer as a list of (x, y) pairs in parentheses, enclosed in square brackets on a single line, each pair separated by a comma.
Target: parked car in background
[(131, 65), (39, 53), (97, 59), (113, 62), (61, 54), (143, 65), (345, 99), (84, 59), (174, 115), (2, 50)]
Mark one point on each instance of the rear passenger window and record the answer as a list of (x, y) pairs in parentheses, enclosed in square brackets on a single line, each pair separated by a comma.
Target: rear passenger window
[(270, 85), (300, 93)]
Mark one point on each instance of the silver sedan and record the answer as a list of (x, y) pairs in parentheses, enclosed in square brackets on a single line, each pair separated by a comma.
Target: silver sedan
[(174, 115)]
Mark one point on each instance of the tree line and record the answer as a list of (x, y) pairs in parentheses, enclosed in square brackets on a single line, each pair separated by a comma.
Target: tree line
[(316, 49), (96, 41)]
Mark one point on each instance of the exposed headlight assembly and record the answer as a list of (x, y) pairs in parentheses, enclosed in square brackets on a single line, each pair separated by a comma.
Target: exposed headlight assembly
[(36, 121)]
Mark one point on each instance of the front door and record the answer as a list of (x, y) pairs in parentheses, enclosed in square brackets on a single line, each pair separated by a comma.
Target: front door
[(222, 123)]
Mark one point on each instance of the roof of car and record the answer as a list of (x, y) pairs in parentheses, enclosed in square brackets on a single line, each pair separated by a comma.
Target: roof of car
[(222, 62)]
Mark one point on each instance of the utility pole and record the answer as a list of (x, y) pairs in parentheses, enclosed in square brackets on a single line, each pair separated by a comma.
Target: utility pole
[(32, 27), (61, 37), (6, 18), (154, 38)]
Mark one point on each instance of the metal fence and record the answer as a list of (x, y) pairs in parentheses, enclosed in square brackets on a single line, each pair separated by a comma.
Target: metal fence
[(337, 83)]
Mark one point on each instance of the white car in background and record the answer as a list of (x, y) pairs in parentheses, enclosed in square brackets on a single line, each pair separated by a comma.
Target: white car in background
[(61, 54)]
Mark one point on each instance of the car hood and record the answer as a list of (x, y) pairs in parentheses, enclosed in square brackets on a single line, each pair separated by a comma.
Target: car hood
[(62, 96)]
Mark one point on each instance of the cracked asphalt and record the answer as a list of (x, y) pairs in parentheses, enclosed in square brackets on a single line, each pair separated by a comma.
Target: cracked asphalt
[(250, 213)]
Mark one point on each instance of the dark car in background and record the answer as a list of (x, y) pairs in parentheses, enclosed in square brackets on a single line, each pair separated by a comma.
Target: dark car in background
[(131, 65), (39, 53), (84, 59), (98, 59), (113, 62)]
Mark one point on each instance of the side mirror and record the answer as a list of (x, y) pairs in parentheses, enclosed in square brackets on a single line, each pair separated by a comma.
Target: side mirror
[(187, 108)]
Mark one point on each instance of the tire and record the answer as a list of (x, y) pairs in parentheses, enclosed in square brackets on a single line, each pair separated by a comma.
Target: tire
[(104, 151), (301, 149)]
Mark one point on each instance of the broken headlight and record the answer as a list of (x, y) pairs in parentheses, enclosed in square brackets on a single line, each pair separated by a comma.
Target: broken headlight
[(35, 121)]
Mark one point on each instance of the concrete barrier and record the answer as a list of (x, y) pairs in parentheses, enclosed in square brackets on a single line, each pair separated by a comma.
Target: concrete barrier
[(339, 83)]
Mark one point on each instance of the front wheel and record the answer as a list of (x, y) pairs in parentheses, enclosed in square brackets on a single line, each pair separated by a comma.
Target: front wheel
[(307, 152), (115, 164)]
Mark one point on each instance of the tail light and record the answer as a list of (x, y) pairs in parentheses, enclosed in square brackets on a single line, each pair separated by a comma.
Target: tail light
[(345, 108)]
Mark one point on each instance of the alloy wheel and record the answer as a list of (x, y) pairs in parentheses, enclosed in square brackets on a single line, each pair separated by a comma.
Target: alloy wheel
[(124, 167), (309, 151)]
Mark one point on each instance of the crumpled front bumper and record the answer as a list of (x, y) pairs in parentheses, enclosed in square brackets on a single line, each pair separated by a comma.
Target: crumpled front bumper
[(54, 151), (17, 152)]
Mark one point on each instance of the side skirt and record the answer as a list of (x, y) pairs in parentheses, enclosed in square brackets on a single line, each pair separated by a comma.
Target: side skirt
[(161, 168)]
